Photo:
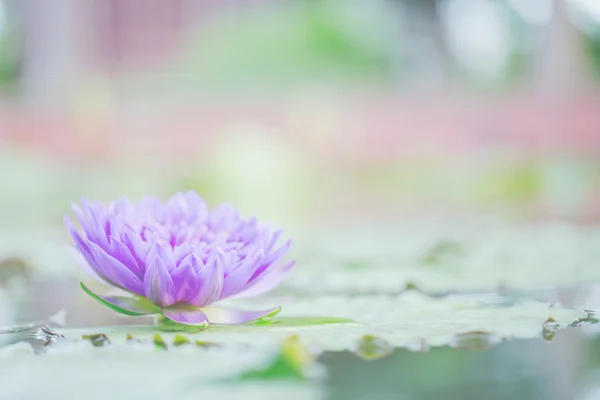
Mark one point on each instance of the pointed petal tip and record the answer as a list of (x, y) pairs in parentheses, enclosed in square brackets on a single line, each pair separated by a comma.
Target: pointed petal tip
[(266, 282), (231, 316), (67, 220), (273, 313), (158, 284), (71, 227), (191, 317), (84, 265)]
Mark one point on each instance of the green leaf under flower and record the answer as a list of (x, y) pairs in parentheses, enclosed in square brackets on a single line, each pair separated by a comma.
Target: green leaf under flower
[(132, 306)]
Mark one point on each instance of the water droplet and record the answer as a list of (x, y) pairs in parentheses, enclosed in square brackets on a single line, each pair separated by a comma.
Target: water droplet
[(159, 342), (39, 336), (371, 347), (591, 318), (475, 340), (206, 345), (97, 339), (549, 329), (180, 340), (441, 250)]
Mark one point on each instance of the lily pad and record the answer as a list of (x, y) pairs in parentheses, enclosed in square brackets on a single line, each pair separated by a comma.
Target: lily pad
[(134, 370), (407, 320), (436, 258), (441, 258)]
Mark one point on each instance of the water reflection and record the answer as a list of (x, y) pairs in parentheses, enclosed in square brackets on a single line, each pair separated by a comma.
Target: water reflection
[(371, 347), (524, 369), (38, 336), (477, 340)]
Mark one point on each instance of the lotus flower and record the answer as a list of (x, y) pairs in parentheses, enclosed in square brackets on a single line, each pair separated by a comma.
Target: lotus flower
[(178, 258)]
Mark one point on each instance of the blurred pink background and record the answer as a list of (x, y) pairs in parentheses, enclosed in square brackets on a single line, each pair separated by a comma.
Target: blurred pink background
[(499, 96)]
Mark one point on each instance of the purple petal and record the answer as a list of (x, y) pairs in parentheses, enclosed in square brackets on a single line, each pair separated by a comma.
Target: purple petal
[(185, 280), (187, 206), (88, 225), (229, 260), (274, 238), (187, 317), (165, 254), (210, 283), (150, 207), (158, 285), (249, 230), (277, 254), (80, 244), (230, 316), (113, 271), (183, 250), (122, 207), (223, 218), (96, 229), (238, 279), (136, 245), (123, 254), (267, 281), (85, 266), (271, 258), (84, 221)]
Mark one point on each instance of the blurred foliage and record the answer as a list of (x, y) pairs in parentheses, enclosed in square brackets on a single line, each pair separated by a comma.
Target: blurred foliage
[(519, 183), (518, 58), (9, 48), (259, 173), (288, 44), (592, 47), (265, 176), (290, 363)]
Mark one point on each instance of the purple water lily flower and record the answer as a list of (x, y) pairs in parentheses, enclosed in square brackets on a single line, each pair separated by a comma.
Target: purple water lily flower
[(178, 258)]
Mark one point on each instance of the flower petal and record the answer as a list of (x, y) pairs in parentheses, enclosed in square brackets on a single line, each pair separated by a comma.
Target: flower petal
[(230, 316), (82, 252), (210, 283), (238, 279), (267, 281), (181, 251), (96, 224), (114, 271), (132, 306), (228, 259), (85, 266), (269, 259), (274, 239), (195, 317), (123, 254), (158, 285), (185, 280), (164, 253), (223, 218), (136, 245), (87, 222), (187, 206)]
